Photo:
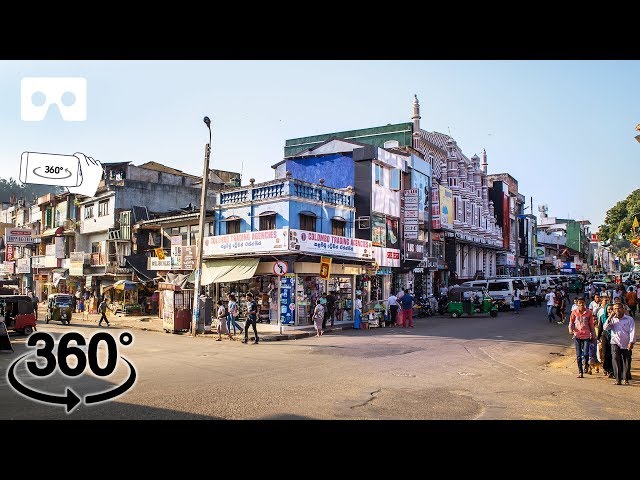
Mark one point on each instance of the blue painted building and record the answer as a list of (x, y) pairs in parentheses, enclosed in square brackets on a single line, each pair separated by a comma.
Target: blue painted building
[(286, 202)]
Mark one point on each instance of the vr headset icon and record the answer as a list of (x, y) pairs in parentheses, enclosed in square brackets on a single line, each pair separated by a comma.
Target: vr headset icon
[(38, 93)]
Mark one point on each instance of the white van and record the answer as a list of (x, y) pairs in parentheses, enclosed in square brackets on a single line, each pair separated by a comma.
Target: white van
[(504, 288), (475, 283)]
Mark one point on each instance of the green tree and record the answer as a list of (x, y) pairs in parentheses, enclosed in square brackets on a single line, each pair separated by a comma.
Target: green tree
[(27, 191), (619, 219)]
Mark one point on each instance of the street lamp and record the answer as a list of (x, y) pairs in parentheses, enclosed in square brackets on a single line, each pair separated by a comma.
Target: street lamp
[(203, 211)]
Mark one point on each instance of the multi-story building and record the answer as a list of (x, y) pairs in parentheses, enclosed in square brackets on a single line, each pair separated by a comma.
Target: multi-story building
[(566, 243)]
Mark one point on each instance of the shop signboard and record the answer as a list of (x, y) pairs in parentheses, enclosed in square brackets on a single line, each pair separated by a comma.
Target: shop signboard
[(248, 242), (154, 263), (167, 308), (23, 265), (18, 236), (413, 249), (435, 208), (37, 261), (325, 268), (50, 250), (9, 253), (325, 244), (7, 268), (59, 247), (188, 256), (287, 296), (387, 257), (410, 220), (77, 257), (176, 259)]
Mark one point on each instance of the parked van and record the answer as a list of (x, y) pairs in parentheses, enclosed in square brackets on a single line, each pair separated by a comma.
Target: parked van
[(475, 283), (504, 288)]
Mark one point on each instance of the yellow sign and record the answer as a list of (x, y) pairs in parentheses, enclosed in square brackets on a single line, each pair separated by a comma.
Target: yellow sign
[(447, 215), (325, 267), (635, 223), (160, 253)]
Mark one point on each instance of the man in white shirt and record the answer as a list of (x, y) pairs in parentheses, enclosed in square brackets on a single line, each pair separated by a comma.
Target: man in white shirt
[(623, 337), (550, 297), (595, 304), (392, 302)]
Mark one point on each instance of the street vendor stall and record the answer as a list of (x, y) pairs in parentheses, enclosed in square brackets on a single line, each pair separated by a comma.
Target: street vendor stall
[(175, 307), (123, 297)]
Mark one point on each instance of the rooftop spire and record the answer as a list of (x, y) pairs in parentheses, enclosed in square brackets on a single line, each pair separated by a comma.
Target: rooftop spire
[(484, 161), (416, 114)]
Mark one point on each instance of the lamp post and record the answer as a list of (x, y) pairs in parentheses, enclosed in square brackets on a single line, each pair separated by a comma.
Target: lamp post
[(203, 211)]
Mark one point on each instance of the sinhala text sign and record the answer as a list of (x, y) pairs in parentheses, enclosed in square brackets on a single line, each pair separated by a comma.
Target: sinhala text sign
[(248, 242)]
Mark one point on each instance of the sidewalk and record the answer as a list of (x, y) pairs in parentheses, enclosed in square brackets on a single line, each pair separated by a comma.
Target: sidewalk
[(266, 332)]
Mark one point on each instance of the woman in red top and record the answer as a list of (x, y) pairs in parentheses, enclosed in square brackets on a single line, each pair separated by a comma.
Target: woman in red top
[(582, 328)]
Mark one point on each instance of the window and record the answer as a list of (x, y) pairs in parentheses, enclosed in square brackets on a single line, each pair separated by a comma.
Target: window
[(337, 227), (233, 226), (379, 172), (193, 234), (307, 222), (88, 211), (268, 222), (394, 181), (103, 208), (95, 247), (455, 208)]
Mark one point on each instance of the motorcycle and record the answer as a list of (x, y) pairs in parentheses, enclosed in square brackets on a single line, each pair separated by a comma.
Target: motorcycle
[(423, 308), (442, 304)]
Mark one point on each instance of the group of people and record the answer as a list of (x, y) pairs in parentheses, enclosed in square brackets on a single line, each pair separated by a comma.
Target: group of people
[(227, 318)]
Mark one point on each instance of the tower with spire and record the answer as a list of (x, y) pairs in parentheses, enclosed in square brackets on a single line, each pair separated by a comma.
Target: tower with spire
[(416, 114)]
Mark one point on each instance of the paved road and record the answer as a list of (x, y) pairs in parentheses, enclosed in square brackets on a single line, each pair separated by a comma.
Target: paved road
[(509, 367)]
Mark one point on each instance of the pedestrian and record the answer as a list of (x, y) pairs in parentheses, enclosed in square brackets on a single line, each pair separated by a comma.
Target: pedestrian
[(550, 297), (604, 336), (358, 313), (252, 318), (324, 301), (222, 321), (103, 313), (582, 327), (392, 303), (575, 305), (631, 301), (594, 306), (406, 302), (623, 337), (74, 302), (561, 305), (233, 312), (331, 307), (318, 318), (516, 301)]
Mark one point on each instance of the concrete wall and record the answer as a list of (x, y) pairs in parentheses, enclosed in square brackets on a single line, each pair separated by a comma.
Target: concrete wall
[(159, 197), (337, 170), (83, 242), (97, 223), (145, 175), (383, 199)]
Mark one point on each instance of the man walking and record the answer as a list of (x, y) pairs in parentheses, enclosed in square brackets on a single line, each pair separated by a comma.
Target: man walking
[(623, 336), (331, 307), (551, 302), (34, 301), (252, 317), (103, 312), (582, 327), (392, 303), (407, 301)]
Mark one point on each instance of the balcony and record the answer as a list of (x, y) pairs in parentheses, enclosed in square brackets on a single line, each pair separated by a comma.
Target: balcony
[(286, 189), (115, 268), (98, 260)]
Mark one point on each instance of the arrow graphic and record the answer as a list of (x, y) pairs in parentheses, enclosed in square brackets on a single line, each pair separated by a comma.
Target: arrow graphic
[(109, 394), (52, 178), (70, 400)]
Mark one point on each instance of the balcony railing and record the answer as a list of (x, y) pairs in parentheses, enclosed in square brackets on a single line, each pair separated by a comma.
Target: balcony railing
[(98, 259), (284, 188)]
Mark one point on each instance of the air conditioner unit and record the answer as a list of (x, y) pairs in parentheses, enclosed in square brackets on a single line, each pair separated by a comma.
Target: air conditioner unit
[(364, 223)]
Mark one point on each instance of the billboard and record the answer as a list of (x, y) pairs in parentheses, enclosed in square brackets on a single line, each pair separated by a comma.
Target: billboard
[(435, 208), (248, 242), (411, 214), (446, 207), (18, 236)]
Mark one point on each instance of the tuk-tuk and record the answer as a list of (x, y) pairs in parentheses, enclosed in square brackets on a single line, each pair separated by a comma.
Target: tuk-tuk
[(59, 308), (17, 313), (470, 301)]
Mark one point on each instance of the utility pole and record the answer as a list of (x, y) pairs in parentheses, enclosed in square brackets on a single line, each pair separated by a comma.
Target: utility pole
[(203, 211)]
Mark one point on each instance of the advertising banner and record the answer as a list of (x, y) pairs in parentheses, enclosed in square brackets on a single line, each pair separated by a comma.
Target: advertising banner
[(435, 208), (9, 253), (392, 233), (287, 295), (188, 257), (59, 247), (378, 231), (386, 257), (249, 242), (154, 263), (76, 269), (38, 261), (446, 207), (18, 236), (176, 258), (77, 257), (325, 244), (7, 268)]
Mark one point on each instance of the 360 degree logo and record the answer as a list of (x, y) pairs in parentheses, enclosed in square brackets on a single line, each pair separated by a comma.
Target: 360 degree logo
[(60, 362)]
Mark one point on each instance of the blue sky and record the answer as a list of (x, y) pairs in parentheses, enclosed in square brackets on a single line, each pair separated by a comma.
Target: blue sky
[(563, 129)]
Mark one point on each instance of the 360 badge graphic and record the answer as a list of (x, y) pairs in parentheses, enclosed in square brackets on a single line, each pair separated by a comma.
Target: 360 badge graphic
[(59, 363)]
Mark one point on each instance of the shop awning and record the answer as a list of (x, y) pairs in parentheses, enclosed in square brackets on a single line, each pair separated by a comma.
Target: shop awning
[(228, 270), (139, 265)]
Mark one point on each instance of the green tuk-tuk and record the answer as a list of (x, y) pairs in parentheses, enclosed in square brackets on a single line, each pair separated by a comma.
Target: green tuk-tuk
[(470, 301), (59, 308)]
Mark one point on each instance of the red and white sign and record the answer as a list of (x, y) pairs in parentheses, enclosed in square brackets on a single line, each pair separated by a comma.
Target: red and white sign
[(18, 236), (248, 242), (280, 268), (330, 245), (9, 253), (386, 257), (410, 218)]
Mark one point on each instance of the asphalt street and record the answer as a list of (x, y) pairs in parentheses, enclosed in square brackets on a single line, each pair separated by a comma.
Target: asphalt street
[(508, 367)]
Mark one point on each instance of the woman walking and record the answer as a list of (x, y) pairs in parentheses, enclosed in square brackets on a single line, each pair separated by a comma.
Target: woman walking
[(318, 317), (222, 315), (233, 314), (604, 336)]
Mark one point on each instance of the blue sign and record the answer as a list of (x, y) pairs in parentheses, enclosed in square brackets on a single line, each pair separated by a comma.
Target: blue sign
[(287, 297)]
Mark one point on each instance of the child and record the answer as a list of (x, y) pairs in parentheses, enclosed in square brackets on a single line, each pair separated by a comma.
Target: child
[(593, 357)]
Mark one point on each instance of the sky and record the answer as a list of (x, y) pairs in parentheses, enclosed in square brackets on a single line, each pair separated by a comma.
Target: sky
[(564, 129)]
